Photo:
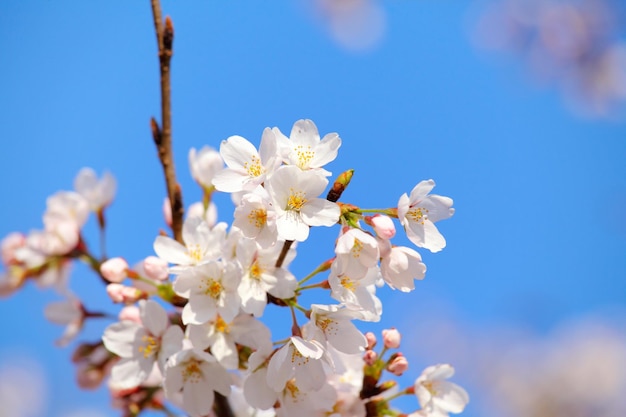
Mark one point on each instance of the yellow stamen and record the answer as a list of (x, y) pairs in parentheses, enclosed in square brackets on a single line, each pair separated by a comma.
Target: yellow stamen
[(150, 346), (296, 200), (258, 217), (305, 155), (254, 167), (418, 214)]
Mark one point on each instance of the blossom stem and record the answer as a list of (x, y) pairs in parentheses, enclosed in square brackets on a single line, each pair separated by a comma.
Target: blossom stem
[(308, 287), (102, 228), (283, 253), (391, 212), (324, 266)]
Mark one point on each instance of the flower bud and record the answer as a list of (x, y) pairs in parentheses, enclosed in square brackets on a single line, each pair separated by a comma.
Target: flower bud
[(122, 294), (9, 244), (369, 357), (398, 365), (371, 340), (130, 313), (155, 268), (114, 269), (383, 225), (391, 338), (89, 377)]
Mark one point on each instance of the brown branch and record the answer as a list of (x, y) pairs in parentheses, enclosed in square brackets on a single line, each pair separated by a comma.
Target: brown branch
[(162, 135)]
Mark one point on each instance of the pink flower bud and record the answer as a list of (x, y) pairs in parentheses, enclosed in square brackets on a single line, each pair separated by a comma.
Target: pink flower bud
[(371, 340), (369, 357), (391, 338), (122, 294), (114, 269), (398, 365), (383, 225), (130, 313), (89, 377), (167, 211), (155, 268), (9, 244)]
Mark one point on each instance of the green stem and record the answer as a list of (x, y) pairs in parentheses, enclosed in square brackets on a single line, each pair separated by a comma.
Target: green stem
[(391, 212)]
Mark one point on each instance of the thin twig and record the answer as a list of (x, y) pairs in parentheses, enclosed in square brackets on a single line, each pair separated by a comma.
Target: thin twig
[(162, 135)]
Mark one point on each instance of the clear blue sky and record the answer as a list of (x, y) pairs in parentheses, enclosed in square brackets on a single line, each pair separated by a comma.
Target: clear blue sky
[(539, 235)]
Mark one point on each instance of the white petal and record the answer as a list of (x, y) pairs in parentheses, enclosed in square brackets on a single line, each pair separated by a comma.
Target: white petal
[(170, 250), (153, 317), (119, 337), (127, 373), (320, 212), (197, 399)]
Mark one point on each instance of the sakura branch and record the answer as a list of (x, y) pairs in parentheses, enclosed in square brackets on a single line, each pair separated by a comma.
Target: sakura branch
[(191, 333)]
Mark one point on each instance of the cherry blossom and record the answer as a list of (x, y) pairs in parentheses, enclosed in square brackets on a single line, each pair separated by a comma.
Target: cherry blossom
[(97, 193), (419, 212), (437, 395)]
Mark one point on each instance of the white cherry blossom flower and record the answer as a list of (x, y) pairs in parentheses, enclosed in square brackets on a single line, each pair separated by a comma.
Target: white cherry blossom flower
[(400, 266), (356, 293), (358, 252), (297, 401), (304, 148), (419, 212), (202, 244), (256, 218), (334, 324), (197, 374), (438, 396), (99, 193), (301, 359), (197, 210), (211, 289), (204, 164), (141, 346), (66, 207), (294, 195), (70, 313), (260, 276), (222, 337), (247, 168)]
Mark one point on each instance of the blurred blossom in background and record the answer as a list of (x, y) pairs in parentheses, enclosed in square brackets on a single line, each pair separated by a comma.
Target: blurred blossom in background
[(576, 45), (356, 25)]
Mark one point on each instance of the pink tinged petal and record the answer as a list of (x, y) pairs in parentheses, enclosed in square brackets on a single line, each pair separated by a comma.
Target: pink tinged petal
[(201, 310), (128, 373), (326, 151), (153, 317), (196, 233), (200, 335), (307, 348), (421, 190), (119, 337), (225, 351), (170, 250), (231, 181), (197, 399), (237, 152), (304, 132), (171, 343), (256, 391), (268, 148), (320, 212), (426, 236), (250, 332), (310, 377), (280, 370), (403, 208), (440, 371), (423, 395), (439, 207), (347, 338), (291, 227), (450, 397), (219, 378)]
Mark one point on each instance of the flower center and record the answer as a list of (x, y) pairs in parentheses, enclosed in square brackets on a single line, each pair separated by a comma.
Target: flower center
[(292, 389), (348, 283), (149, 347), (256, 271), (296, 200), (357, 248), (258, 217), (430, 387), (418, 214), (305, 155), (326, 325), (254, 167), (213, 288), (195, 252), (221, 326), (192, 372)]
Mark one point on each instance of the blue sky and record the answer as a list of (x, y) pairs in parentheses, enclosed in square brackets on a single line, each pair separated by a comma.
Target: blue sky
[(539, 234)]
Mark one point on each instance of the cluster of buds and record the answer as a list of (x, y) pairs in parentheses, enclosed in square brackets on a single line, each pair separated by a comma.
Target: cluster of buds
[(204, 347)]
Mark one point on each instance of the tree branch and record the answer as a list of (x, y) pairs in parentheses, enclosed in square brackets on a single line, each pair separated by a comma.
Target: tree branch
[(162, 135)]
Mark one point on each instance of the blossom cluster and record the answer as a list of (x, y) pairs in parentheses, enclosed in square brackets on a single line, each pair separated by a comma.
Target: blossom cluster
[(191, 330)]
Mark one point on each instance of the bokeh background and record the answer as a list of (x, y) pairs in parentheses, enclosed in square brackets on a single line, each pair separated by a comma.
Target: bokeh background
[(515, 109)]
